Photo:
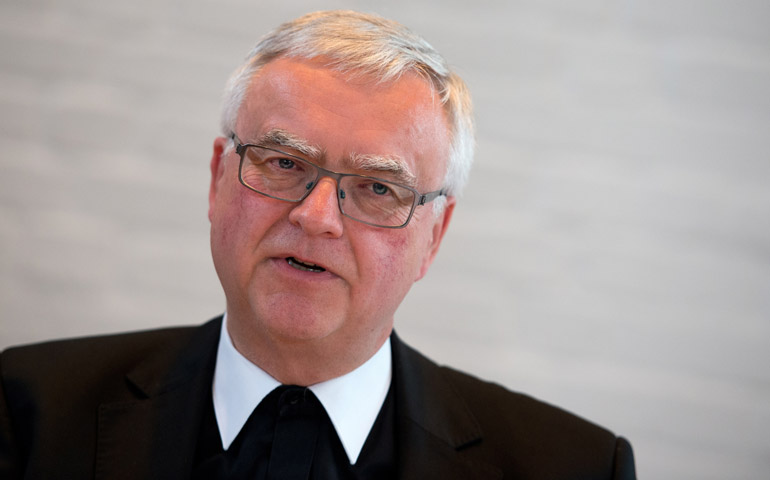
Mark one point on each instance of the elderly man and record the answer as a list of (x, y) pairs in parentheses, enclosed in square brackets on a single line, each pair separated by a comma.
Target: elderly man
[(345, 141)]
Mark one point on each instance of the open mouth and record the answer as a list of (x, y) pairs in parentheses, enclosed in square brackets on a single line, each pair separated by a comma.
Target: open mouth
[(305, 267)]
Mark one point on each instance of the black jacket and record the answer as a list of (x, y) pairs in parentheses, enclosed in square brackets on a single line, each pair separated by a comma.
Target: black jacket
[(129, 406)]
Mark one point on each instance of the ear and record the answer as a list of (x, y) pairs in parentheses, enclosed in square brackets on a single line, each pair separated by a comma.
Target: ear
[(217, 170), (439, 229)]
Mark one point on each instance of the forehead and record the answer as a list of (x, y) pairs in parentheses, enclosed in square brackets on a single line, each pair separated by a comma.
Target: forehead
[(345, 114)]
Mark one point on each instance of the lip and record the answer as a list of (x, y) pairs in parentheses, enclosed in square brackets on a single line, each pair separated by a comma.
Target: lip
[(304, 266), (282, 265)]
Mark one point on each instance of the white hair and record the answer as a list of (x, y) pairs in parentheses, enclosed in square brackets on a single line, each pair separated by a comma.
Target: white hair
[(358, 43)]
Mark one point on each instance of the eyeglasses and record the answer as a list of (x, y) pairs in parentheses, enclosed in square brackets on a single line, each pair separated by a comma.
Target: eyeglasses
[(370, 200)]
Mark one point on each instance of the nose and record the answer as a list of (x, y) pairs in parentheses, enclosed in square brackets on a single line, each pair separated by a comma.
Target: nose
[(319, 213)]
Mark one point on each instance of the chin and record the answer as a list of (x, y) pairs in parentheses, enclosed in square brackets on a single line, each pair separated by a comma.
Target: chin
[(299, 321), (299, 328)]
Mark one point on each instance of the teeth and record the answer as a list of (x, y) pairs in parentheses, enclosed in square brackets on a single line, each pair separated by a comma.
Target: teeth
[(305, 267)]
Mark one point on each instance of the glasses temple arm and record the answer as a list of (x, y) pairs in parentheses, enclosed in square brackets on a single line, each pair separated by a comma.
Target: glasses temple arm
[(429, 197)]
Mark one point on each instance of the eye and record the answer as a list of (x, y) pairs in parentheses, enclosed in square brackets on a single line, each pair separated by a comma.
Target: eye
[(285, 163), (380, 189)]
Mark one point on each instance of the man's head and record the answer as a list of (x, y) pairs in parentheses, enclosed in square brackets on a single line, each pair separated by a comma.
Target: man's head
[(361, 44), (311, 293)]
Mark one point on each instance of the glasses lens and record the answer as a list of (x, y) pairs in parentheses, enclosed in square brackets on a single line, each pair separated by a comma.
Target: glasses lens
[(286, 177), (276, 174), (375, 201)]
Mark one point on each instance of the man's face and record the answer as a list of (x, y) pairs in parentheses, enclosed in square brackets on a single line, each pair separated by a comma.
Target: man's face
[(258, 242)]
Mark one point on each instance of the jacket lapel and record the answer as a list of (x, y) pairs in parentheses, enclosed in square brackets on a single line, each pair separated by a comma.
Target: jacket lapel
[(434, 424), (155, 435)]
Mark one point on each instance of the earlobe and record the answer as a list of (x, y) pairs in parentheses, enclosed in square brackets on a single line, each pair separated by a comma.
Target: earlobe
[(217, 170), (439, 229)]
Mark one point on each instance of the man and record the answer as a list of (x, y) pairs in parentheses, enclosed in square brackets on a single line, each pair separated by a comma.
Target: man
[(345, 142)]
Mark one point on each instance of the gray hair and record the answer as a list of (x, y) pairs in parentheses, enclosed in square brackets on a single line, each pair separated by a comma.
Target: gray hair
[(358, 43)]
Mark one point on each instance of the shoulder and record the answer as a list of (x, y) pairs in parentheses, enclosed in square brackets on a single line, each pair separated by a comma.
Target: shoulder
[(97, 364), (499, 410), (54, 393), (90, 353), (539, 440), (520, 434), (491, 403)]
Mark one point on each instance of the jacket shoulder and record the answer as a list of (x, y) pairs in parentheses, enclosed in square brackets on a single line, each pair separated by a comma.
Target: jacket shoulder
[(493, 402), (52, 394), (96, 368), (521, 436), (79, 356), (549, 441)]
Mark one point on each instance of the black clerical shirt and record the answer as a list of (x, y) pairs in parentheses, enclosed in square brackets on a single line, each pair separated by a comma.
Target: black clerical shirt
[(249, 455)]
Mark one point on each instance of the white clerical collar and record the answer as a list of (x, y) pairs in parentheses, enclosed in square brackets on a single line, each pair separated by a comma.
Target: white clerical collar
[(352, 401)]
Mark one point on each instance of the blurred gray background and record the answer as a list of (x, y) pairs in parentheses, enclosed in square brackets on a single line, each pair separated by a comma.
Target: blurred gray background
[(611, 254)]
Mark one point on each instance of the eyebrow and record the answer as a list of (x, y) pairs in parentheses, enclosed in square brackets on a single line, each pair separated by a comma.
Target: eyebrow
[(390, 164), (373, 164), (281, 138)]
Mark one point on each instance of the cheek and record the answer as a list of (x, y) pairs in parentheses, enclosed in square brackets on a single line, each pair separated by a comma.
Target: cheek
[(398, 251), (222, 248), (239, 211), (224, 224), (395, 266), (233, 226)]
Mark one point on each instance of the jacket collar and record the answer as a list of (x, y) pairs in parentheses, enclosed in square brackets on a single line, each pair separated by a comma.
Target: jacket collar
[(154, 435)]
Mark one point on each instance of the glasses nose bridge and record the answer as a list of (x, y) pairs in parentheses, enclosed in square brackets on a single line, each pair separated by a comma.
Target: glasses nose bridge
[(321, 173)]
